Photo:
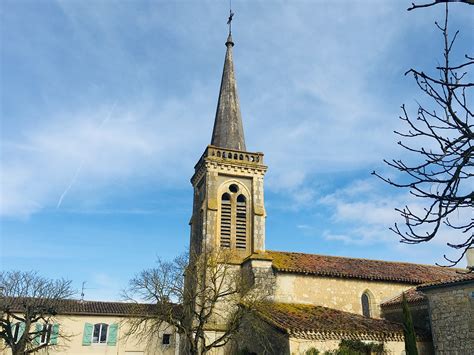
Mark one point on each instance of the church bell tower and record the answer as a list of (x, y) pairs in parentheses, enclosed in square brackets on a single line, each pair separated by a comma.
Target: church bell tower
[(228, 206)]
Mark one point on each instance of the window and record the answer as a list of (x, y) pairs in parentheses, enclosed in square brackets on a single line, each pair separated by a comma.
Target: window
[(226, 216), (241, 223), (100, 333), (45, 333), (166, 339), (233, 219), (17, 331), (365, 305)]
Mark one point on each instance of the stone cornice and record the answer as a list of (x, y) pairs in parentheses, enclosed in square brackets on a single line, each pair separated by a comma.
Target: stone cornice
[(229, 161)]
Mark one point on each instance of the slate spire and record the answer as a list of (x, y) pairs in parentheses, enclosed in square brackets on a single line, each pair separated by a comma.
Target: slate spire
[(228, 131)]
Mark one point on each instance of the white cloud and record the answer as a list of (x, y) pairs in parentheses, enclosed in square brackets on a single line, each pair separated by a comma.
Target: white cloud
[(363, 211), (316, 90)]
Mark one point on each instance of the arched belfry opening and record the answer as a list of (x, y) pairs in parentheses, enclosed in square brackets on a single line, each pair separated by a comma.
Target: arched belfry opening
[(241, 223), (233, 222), (226, 221)]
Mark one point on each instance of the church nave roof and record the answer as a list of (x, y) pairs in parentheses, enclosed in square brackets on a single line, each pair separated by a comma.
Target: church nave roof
[(367, 269)]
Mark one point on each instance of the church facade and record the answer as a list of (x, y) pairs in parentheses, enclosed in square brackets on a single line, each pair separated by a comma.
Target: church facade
[(317, 300)]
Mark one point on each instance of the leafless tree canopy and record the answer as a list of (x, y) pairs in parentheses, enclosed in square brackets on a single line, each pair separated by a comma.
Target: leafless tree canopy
[(28, 299), (443, 178), (208, 292)]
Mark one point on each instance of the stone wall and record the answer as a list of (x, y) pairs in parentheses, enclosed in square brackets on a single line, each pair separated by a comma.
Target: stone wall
[(452, 319), (337, 293), (212, 174)]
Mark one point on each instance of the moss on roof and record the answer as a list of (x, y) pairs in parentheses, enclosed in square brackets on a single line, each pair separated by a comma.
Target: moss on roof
[(336, 266), (303, 321)]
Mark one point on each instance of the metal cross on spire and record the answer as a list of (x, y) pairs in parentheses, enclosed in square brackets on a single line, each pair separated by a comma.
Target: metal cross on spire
[(231, 15)]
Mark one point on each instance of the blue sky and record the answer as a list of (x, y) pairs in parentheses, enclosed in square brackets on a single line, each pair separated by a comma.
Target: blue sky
[(107, 105)]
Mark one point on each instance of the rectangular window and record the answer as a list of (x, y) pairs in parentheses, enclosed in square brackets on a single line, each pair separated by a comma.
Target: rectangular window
[(99, 335), (45, 333), (166, 339), (16, 332)]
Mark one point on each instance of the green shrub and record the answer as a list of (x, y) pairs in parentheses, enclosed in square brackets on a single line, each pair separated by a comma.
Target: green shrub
[(351, 347), (357, 347)]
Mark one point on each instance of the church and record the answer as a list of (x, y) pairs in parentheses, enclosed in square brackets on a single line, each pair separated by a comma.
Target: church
[(318, 300)]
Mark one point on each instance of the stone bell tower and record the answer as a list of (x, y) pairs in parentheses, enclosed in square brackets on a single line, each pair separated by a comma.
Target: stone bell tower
[(228, 207)]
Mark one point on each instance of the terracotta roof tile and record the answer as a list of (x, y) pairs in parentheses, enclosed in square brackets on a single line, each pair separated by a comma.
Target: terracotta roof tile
[(299, 320), (336, 266), (459, 278), (412, 295), (88, 307)]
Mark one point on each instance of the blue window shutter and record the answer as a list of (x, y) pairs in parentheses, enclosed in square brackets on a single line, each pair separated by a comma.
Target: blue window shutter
[(38, 329), (87, 336), (53, 340), (21, 330), (112, 338)]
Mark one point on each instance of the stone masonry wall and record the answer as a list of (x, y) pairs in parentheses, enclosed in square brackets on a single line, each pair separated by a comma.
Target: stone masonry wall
[(337, 293), (452, 319)]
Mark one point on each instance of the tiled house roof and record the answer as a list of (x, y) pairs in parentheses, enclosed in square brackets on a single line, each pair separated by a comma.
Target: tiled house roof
[(317, 322), (335, 266), (88, 307), (460, 278), (413, 297)]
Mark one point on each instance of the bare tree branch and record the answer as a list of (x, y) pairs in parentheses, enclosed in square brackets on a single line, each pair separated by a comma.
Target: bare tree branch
[(414, 6), (28, 306), (443, 178), (204, 294)]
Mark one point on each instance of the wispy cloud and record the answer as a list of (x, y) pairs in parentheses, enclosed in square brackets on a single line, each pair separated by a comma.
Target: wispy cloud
[(81, 164)]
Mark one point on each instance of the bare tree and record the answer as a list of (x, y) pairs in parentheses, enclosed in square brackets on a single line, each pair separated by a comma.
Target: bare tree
[(207, 293), (28, 306), (441, 137)]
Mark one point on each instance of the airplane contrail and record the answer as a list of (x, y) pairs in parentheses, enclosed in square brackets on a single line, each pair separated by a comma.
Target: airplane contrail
[(81, 164)]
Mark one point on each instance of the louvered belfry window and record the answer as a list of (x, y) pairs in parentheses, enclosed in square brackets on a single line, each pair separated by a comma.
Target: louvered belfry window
[(233, 232), (241, 223), (226, 220)]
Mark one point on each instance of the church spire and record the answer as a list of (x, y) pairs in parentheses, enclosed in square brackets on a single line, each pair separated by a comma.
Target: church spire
[(228, 131)]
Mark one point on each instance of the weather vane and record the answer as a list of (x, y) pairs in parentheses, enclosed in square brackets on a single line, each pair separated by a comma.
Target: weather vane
[(231, 15)]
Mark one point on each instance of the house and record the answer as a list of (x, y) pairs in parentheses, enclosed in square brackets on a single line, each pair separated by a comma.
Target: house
[(93, 327)]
